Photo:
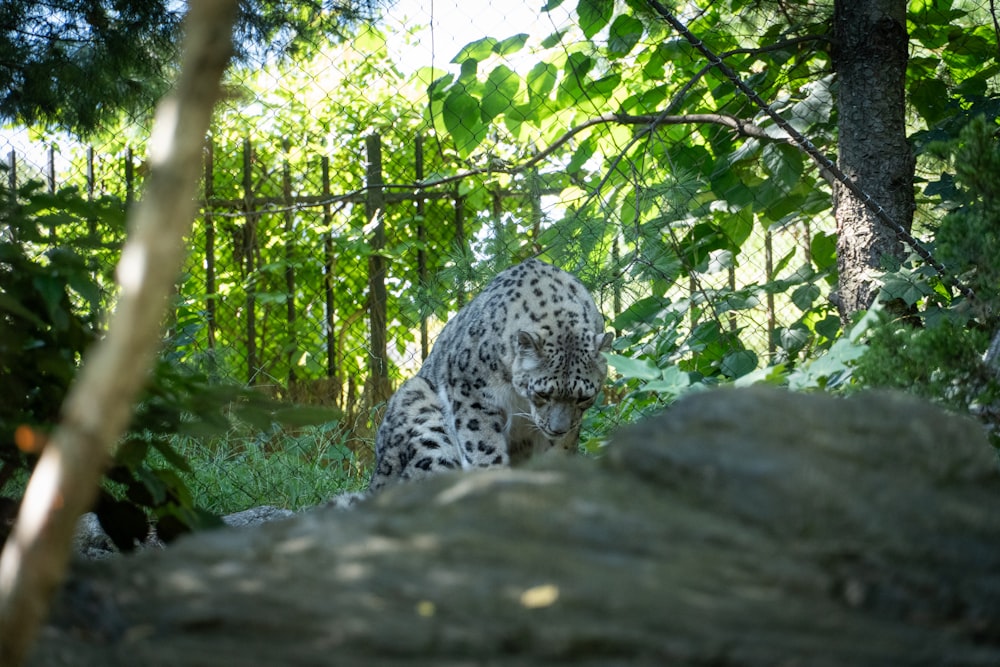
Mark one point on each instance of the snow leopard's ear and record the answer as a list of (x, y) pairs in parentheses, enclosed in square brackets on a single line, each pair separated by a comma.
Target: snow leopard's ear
[(602, 342), (529, 343)]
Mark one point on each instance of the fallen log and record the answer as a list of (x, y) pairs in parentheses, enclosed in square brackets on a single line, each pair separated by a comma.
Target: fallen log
[(741, 527)]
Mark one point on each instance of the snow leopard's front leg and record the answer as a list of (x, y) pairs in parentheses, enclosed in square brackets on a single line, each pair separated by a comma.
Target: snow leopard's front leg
[(481, 429)]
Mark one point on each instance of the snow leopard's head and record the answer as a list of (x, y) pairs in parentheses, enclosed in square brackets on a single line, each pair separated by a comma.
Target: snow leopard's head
[(560, 377)]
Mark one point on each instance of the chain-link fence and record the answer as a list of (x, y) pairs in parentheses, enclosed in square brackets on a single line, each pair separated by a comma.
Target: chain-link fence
[(355, 197)]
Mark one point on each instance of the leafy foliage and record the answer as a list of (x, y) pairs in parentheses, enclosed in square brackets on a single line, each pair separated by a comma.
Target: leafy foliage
[(942, 357), (80, 64), (53, 291)]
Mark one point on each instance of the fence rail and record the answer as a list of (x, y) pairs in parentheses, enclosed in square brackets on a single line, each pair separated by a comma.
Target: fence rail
[(297, 284)]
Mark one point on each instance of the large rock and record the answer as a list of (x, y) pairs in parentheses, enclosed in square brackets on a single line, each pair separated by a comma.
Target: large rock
[(742, 527)]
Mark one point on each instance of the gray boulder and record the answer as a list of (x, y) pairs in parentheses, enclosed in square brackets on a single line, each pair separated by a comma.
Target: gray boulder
[(741, 527)]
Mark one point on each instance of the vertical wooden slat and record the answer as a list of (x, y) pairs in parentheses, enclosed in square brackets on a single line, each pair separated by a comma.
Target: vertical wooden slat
[(210, 295), (129, 177), (769, 277), (421, 242), (286, 189), (329, 265), (535, 203), (50, 175), (92, 222), (377, 297), (460, 240), (51, 168), (12, 178), (249, 241)]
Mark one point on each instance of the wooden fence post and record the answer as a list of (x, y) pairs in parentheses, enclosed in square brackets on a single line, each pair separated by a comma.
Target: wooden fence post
[(249, 241), (129, 177), (421, 243), (50, 172), (286, 189), (379, 388), (329, 264), (460, 239), (12, 179), (769, 300), (210, 296)]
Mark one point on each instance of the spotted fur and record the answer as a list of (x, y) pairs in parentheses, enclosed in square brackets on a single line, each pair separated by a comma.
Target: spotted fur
[(509, 377)]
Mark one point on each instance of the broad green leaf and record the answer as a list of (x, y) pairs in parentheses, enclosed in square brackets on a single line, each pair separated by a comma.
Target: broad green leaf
[(792, 339), (641, 369), (805, 295), (738, 225), (829, 327), (929, 96), (581, 155), (553, 39), (642, 311), (774, 375), (510, 45), (463, 120), (739, 363), (542, 79), (673, 382), (476, 51), (594, 15), (624, 34), (784, 163), (501, 89), (306, 415), (823, 249)]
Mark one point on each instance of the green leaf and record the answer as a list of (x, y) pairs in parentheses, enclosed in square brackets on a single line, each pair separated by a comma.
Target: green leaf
[(739, 363), (510, 45), (541, 79), (581, 155), (784, 163), (929, 96), (553, 39), (823, 248), (673, 382), (594, 15), (463, 120), (624, 34), (804, 296), (476, 51), (642, 311), (641, 369), (501, 88), (306, 415), (829, 327), (792, 339)]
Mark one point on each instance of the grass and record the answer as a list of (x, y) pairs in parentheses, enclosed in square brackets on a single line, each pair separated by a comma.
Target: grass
[(292, 469)]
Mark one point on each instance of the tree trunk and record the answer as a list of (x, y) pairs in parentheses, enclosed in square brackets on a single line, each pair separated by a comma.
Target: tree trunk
[(870, 55)]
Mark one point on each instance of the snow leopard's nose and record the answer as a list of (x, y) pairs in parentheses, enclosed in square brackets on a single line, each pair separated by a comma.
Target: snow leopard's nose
[(560, 420)]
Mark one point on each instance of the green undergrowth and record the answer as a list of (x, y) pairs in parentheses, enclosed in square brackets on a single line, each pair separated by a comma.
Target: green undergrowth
[(288, 468)]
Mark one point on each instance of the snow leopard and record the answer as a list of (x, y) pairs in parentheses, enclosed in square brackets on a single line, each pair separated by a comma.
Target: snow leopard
[(509, 377)]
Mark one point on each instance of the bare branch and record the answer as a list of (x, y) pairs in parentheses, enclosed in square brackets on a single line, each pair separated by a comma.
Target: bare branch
[(741, 126), (100, 403)]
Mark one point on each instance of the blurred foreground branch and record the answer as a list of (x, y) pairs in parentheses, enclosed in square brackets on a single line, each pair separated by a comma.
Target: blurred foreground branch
[(100, 404)]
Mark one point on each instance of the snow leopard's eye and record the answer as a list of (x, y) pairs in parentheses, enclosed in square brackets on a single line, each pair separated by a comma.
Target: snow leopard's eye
[(539, 397), (586, 401)]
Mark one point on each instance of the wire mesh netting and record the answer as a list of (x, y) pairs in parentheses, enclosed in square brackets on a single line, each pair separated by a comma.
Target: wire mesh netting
[(358, 192)]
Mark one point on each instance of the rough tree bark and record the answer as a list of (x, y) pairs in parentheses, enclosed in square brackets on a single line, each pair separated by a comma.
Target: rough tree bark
[(742, 527), (870, 56), (101, 401)]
